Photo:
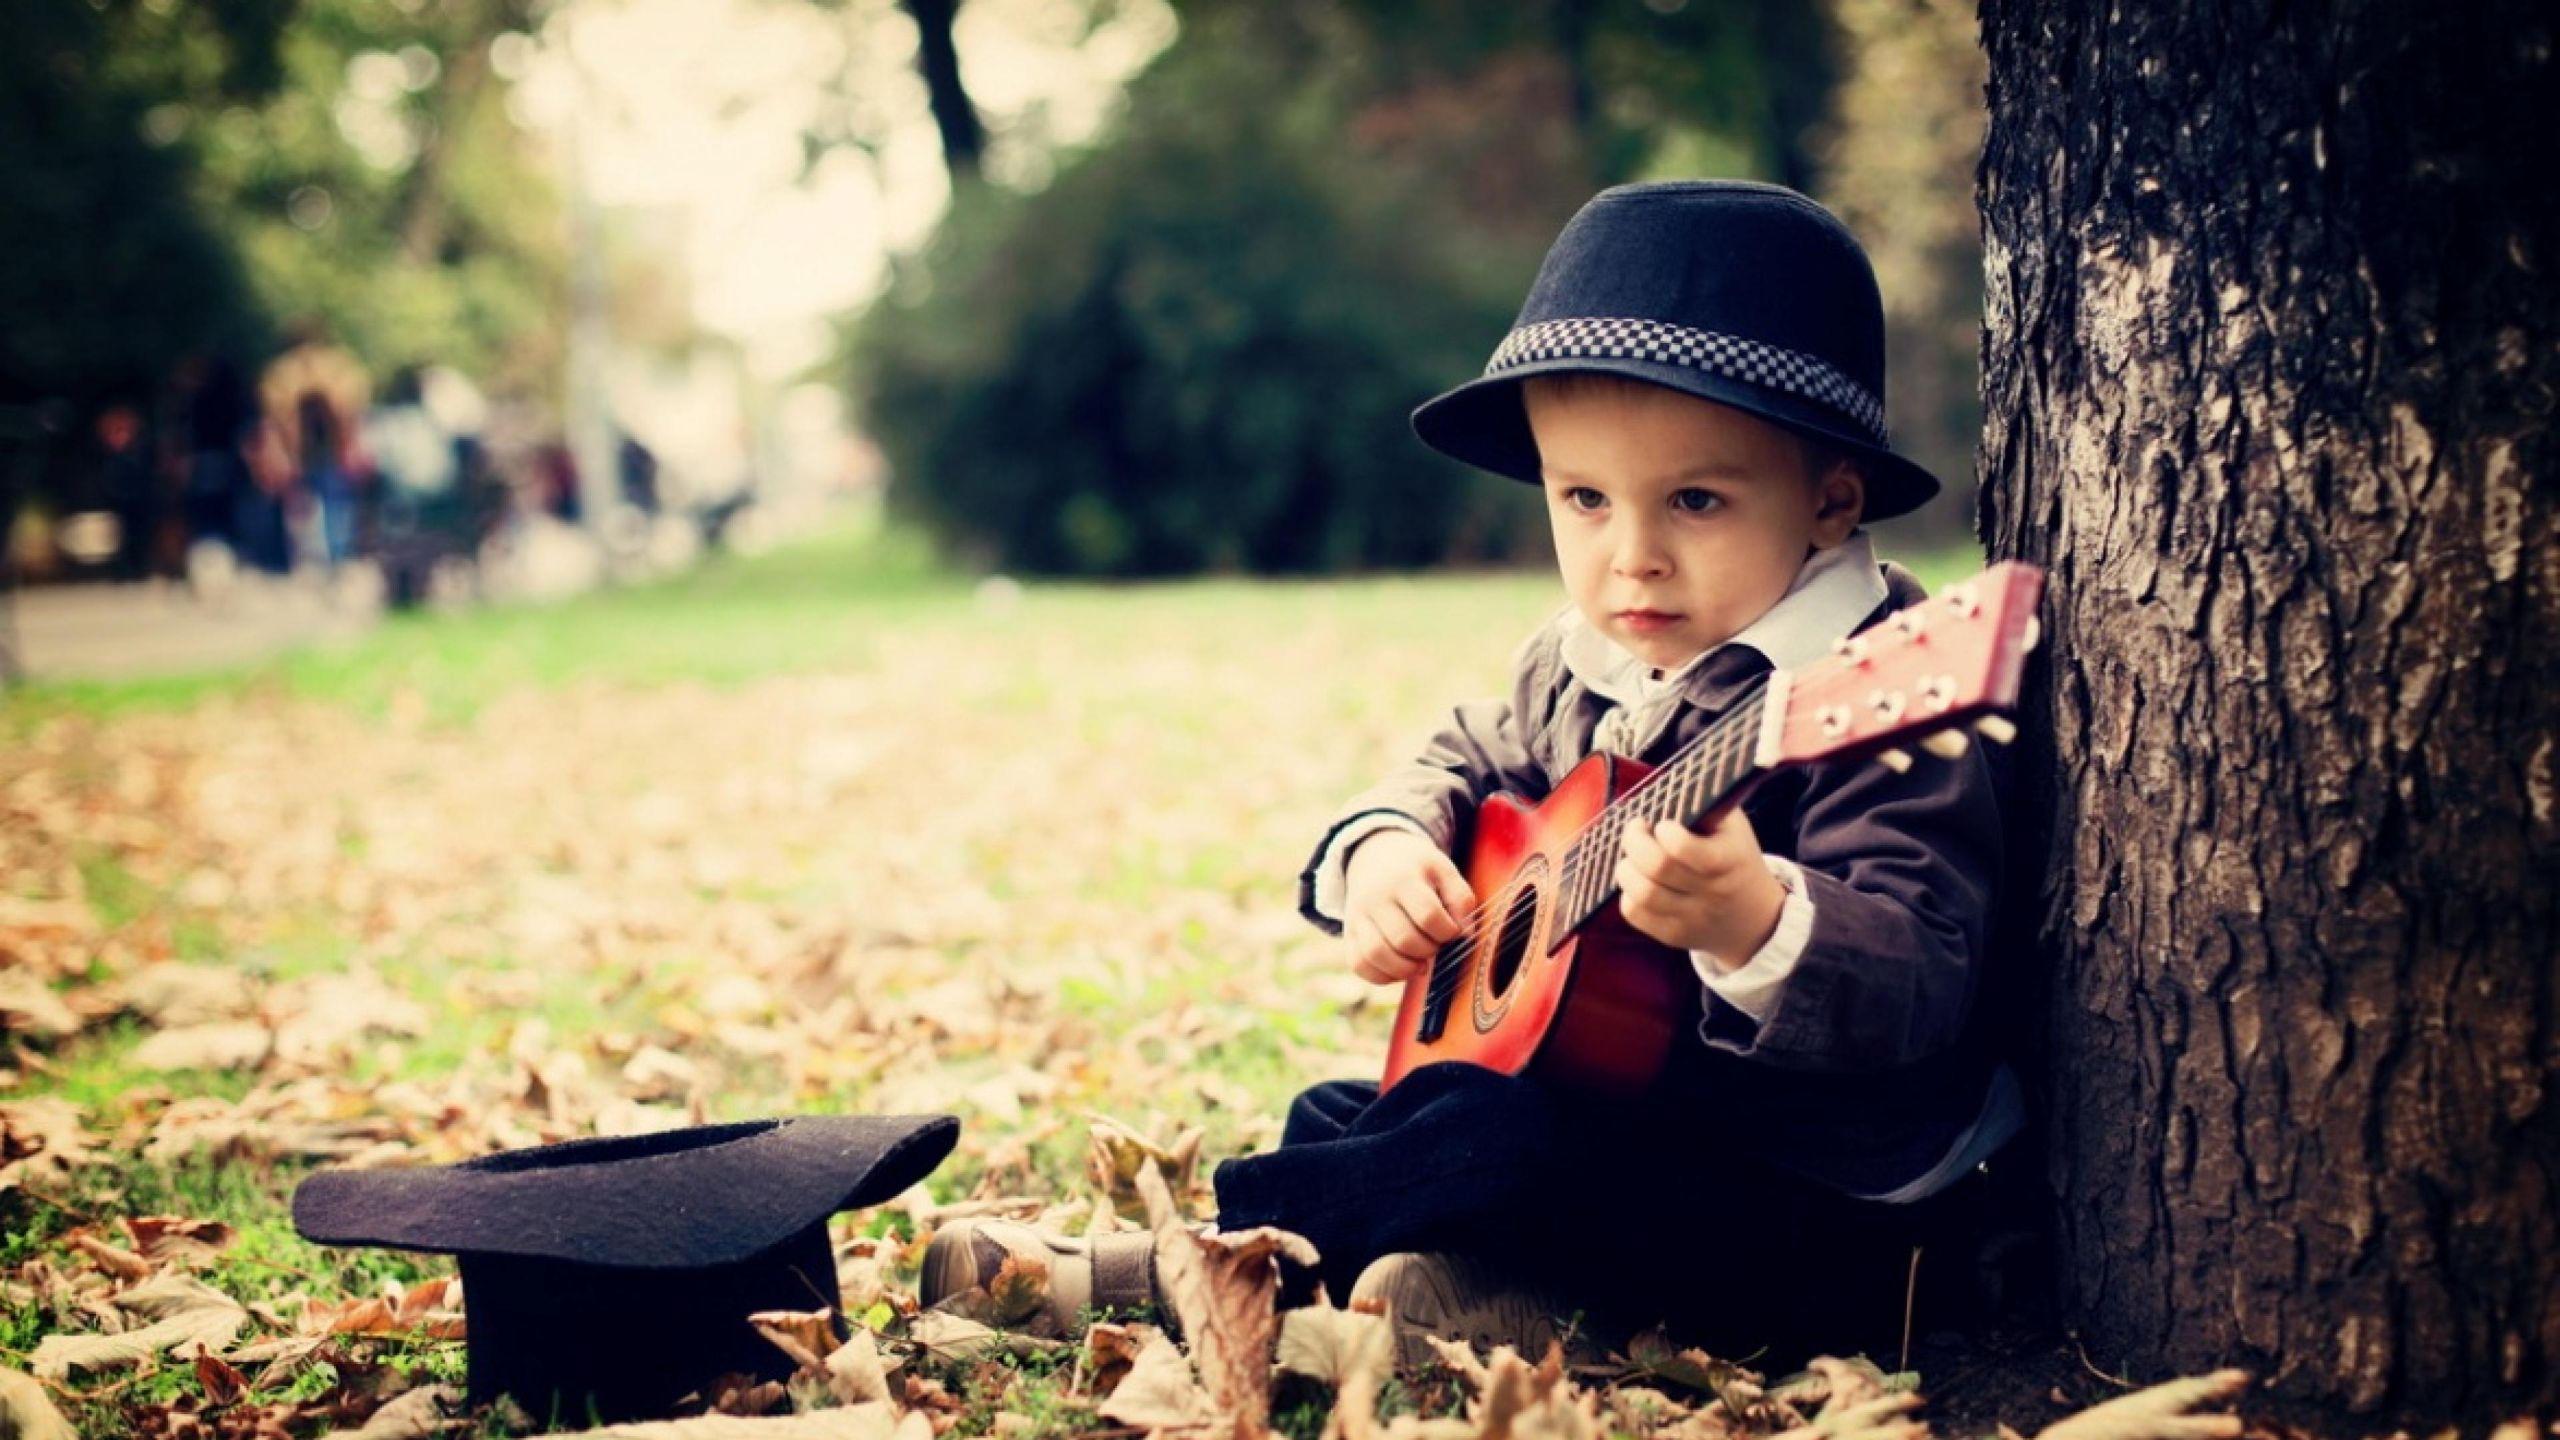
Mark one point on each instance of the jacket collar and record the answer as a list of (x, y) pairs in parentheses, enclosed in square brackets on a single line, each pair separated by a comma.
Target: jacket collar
[(1836, 589)]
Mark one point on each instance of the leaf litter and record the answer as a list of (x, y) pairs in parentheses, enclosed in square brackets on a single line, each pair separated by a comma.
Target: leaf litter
[(596, 910)]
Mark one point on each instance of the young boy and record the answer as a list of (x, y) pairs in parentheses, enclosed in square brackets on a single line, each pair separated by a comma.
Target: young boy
[(1696, 383)]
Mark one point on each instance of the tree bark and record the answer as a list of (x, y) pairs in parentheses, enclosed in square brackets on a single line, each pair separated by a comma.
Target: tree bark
[(964, 140), (2272, 340)]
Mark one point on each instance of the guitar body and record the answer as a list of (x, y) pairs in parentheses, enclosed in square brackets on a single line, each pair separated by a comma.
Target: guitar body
[(1597, 1013), (1550, 980)]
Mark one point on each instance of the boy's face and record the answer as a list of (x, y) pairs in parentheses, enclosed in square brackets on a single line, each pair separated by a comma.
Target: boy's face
[(1678, 521)]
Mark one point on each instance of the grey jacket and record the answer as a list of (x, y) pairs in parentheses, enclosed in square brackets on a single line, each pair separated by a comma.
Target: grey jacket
[(1872, 1043)]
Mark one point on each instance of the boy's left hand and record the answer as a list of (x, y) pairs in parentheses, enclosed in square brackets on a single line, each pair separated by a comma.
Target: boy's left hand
[(1692, 891)]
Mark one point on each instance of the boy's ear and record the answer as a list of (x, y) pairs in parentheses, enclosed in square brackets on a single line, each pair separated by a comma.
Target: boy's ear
[(1840, 499)]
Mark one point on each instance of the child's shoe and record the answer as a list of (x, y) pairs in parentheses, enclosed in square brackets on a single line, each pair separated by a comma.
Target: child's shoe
[(1460, 1299), (1058, 1281)]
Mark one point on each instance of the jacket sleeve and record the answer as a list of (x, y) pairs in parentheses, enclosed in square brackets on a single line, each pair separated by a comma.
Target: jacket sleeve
[(1484, 747), (1900, 870)]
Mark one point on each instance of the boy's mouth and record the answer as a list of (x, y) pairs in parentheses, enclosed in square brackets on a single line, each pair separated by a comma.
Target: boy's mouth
[(1646, 619)]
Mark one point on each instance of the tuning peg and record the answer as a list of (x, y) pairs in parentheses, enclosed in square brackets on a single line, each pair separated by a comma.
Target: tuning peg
[(1996, 729), (1945, 744), (2034, 635), (1897, 761)]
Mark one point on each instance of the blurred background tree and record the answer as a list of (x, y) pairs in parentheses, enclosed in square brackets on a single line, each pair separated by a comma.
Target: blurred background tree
[(1186, 340), (189, 180), (1195, 347)]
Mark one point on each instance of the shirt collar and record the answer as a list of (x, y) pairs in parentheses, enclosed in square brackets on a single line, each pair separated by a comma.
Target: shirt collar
[(1835, 589)]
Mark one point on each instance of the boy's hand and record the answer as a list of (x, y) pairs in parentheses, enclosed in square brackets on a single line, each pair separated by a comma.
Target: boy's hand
[(1709, 892), (1402, 900)]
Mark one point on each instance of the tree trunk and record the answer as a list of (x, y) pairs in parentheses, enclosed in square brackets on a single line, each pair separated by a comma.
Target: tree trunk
[(964, 141), (2272, 344)]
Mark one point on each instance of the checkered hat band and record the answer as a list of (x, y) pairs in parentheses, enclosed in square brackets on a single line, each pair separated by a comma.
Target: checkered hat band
[(1731, 356)]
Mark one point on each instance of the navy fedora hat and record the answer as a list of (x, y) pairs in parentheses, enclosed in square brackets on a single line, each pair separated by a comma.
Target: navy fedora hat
[(616, 1275), (1747, 294)]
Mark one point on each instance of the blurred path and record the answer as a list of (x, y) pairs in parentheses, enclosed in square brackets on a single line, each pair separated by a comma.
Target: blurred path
[(116, 632)]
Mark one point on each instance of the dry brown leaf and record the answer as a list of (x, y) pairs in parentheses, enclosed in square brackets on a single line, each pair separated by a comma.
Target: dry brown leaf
[(1222, 1287), (748, 1395), (411, 1415), (215, 1045), (2158, 1413), (852, 1422), (222, 1384), (122, 1264), (1159, 1392), (855, 1375), (1328, 1344), (947, 1338), (177, 1239), (807, 1336), (27, 1412), (1884, 1417), (29, 1007), (184, 1313), (41, 1143), (1110, 1348), (1115, 1152)]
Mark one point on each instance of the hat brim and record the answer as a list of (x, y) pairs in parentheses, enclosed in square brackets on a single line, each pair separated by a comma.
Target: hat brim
[(1484, 424), (678, 1199)]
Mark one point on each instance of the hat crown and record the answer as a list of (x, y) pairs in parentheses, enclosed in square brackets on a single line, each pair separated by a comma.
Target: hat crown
[(1730, 258)]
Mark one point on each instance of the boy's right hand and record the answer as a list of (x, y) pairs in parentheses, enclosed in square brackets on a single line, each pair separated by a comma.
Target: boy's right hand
[(1402, 900)]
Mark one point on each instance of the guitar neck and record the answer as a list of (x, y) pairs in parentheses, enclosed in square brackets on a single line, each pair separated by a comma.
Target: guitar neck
[(1708, 773)]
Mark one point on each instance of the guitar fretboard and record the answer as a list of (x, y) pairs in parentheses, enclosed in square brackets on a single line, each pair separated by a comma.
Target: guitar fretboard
[(1707, 771)]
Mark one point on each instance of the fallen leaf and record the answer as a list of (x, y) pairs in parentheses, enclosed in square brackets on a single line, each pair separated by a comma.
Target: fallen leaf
[(855, 1375), (29, 1007), (853, 1422), (215, 1045), (41, 1143), (122, 1264), (1116, 1152), (176, 1239), (1327, 1344), (1222, 1287), (807, 1336), (1110, 1348), (184, 1311), (1159, 1392), (27, 1412), (2158, 1413), (410, 1415), (222, 1384)]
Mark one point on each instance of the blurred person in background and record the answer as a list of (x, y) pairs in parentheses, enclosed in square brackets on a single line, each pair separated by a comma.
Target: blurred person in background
[(129, 482), (311, 444), (426, 491), (218, 413)]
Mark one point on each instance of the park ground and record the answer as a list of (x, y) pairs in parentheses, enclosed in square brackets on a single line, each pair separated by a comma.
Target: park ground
[(828, 830)]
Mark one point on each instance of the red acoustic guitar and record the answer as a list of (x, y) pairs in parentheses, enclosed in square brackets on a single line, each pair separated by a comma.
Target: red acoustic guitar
[(1549, 978)]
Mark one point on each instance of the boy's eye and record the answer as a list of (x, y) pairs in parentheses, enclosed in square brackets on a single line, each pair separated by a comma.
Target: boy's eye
[(1696, 501), (1575, 496)]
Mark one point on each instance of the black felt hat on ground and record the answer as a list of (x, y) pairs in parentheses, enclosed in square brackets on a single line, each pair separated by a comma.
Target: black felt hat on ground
[(620, 1272), (1747, 294)]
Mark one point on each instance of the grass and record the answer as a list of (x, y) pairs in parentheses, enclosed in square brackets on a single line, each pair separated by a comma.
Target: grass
[(1096, 672)]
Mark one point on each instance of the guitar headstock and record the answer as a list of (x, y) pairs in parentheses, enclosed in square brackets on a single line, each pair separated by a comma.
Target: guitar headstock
[(1925, 673)]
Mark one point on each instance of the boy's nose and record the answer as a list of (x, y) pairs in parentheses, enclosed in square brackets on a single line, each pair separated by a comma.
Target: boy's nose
[(1639, 553)]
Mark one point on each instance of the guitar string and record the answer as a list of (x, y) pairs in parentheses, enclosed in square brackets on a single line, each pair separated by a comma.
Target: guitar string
[(1723, 743)]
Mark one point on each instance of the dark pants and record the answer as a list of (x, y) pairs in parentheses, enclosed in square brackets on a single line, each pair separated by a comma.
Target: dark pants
[(1639, 1213)]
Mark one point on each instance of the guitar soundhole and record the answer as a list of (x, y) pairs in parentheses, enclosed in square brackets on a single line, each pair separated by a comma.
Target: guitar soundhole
[(1513, 943)]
